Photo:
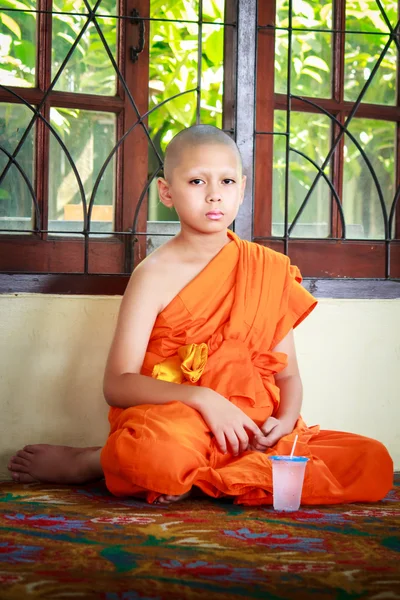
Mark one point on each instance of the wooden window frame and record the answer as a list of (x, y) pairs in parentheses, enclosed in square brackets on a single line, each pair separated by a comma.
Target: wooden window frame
[(318, 258), (106, 256), (44, 252), (48, 263)]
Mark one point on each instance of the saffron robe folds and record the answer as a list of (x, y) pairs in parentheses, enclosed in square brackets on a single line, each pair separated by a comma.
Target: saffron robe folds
[(219, 332)]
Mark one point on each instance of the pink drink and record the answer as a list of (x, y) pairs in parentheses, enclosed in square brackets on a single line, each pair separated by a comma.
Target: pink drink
[(287, 480)]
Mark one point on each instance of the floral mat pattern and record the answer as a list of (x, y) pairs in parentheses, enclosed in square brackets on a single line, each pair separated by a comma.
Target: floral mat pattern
[(81, 542)]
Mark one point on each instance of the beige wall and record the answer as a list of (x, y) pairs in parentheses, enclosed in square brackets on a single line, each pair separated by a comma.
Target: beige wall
[(53, 350)]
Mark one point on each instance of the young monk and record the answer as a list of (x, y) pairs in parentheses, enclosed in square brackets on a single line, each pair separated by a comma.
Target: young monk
[(202, 378)]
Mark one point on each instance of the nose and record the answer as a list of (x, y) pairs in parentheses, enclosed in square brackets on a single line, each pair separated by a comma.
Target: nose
[(213, 195)]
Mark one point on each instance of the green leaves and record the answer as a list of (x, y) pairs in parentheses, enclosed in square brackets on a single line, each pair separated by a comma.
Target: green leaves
[(89, 69), (213, 47), (11, 24), (316, 62), (312, 50), (18, 5), (174, 66), (17, 44)]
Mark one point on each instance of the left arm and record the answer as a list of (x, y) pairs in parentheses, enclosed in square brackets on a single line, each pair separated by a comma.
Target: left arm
[(291, 395), (289, 383)]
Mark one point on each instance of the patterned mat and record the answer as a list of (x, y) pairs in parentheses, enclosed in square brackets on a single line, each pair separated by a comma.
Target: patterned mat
[(80, 542)]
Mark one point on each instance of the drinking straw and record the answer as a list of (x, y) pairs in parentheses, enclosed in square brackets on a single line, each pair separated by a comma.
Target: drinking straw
[(294, 446)]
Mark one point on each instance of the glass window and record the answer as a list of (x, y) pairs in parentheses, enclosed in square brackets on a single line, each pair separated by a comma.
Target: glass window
[(89, 69), (363, 50), (89, 137), (18, 46), (361, 195), (311, 50), (309, 141), (16, 202)]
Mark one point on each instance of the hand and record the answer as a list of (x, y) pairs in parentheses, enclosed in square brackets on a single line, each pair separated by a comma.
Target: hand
[(230, 425), (272, 431)]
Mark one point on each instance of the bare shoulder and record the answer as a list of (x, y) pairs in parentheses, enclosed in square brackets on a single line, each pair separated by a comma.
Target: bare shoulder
[(142, 301), (148, 281)]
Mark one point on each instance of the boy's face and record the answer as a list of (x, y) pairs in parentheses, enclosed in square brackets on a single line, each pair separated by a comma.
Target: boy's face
[(206, 187)]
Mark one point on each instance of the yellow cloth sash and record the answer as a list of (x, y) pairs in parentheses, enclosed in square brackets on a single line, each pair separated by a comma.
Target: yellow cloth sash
[(188, 364)]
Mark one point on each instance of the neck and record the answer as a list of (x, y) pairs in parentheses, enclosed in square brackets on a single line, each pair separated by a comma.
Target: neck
[(202, 245)]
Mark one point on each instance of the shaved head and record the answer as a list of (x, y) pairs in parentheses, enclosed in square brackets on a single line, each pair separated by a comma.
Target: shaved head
[(197, 135)]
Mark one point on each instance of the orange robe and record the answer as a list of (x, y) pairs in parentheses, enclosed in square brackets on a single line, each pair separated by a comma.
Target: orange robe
[(219, 332)]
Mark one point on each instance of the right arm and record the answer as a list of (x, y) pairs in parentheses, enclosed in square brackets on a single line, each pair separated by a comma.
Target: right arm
[(124, 386)]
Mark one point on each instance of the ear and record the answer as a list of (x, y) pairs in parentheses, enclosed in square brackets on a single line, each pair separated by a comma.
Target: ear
[(244, 179), (164, 192)]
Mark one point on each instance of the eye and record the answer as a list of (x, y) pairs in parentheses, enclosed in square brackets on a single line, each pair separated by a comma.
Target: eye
[(228, 181), (196, 181)]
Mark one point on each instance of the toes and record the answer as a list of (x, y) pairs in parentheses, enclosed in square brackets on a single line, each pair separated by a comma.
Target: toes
[(30, 449), (23, 457), (162, 500), (168, 498), (18, 467), (22, 478), (24, 454), (20, 462), (165, 499), (177, 498)]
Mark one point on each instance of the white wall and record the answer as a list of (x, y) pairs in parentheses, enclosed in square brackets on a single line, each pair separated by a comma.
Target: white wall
[(53, 351), (349, 355)]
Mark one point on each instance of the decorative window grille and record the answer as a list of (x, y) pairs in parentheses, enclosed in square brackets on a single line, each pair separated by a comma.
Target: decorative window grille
[(91, 93)]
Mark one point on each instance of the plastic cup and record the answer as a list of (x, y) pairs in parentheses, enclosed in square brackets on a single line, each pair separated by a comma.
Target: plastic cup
[(287, 481)]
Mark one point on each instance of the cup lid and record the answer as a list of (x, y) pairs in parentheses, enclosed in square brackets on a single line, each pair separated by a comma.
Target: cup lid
[(296, 459)]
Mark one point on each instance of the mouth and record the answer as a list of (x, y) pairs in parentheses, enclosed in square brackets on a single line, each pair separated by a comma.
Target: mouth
[(215, 215)]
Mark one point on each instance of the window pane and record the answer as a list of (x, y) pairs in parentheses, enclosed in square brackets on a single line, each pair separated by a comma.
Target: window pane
[(89, 138), (188, 9), (361, 204), (362, 51), (212, 74), (15, 198), (173, 70), (309, 134), (89, 69), (311, 51), (365, 15), (18, 46)]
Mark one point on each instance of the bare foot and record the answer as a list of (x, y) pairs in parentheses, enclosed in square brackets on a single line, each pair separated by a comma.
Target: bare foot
[(165, 499), (56, 464)]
